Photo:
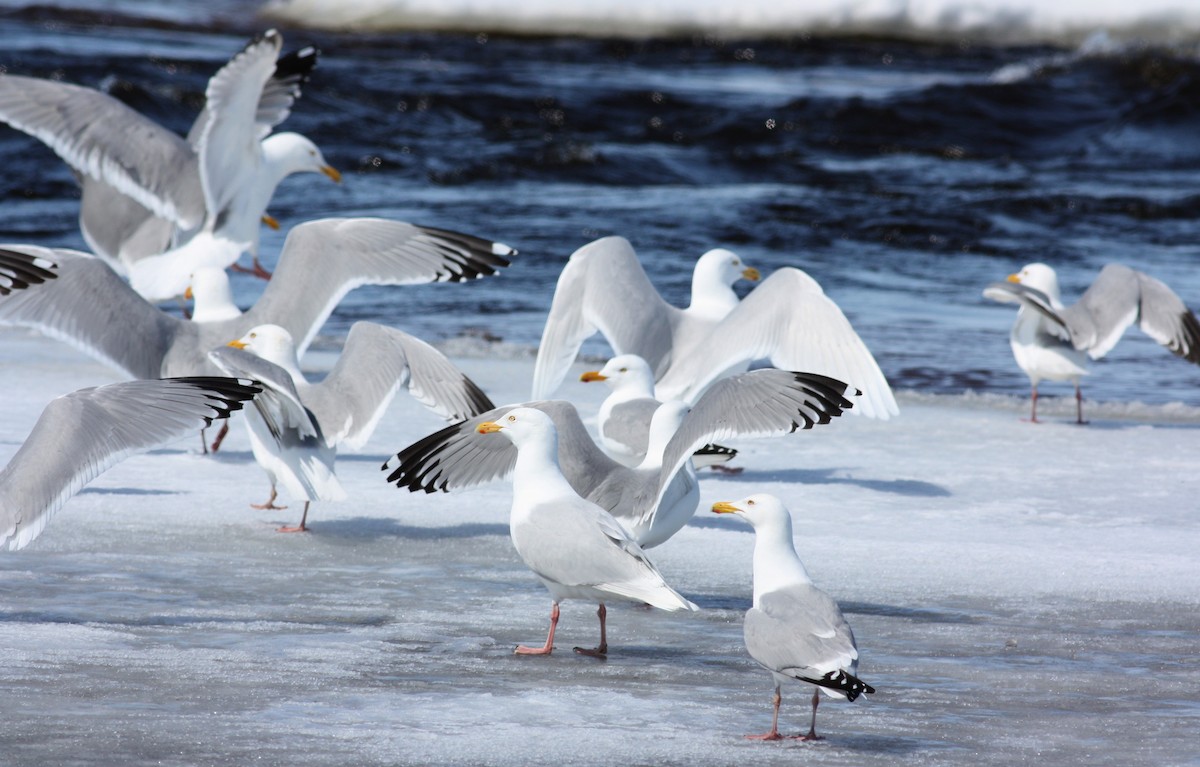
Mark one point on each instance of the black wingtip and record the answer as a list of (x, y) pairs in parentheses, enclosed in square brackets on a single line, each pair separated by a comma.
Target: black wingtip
[(229, 394), (19, 271), (468, 257), (297, 65), (846, 683)]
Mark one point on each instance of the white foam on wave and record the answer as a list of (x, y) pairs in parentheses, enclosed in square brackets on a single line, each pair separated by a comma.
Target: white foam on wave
[(1009, 21)]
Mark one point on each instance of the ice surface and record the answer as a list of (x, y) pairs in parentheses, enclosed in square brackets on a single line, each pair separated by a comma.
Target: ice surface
[(1006, 20), (1019, 593)]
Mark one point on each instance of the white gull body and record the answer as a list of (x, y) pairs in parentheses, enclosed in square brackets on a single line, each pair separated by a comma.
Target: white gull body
[(794, 630)]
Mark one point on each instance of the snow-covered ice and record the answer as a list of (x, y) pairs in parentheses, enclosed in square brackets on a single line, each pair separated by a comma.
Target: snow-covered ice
[(1019, 593)]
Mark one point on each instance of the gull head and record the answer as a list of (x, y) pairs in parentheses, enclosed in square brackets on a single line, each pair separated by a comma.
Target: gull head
[(292, 153), (1039, 277), (726, 266), (762, 511), (270, 342), (625, 370), (521, 425)]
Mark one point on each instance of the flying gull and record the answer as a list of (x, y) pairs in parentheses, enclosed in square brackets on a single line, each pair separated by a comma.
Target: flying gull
[(787, 320), (1053, 342), (657, 498), (794, 630), (82, 434), (574, 546), (297, 427), (212, 188), (95, 310)]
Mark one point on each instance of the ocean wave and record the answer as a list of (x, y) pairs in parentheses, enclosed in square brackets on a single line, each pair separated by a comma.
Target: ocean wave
[(1066, 22)]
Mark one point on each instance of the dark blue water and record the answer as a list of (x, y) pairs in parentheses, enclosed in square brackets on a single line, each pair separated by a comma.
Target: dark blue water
[(904, 176)]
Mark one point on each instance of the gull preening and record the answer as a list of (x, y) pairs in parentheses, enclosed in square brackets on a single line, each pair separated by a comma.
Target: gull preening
[(655, 499), (95, 310), (80, 435), (212, 188), (794, 630), (297, 427), (19, 271), (787, 320), (1053, 342), (575, 547)]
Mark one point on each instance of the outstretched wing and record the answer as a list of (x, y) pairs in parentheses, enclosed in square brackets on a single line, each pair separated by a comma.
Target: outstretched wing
[(375, 362), (323, 260), (99, 136), (1121, 296), (1034, 299), (603, 288), (82, 434), (791, 322), (93, 309), (19, 270)]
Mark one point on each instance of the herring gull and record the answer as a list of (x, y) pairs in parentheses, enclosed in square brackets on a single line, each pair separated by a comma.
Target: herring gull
[(1053, 342), (657, 498), (787, 320), (623, 423), (794, 630), (92, 308), (80, 435), (574, 546), (297, 427), (213, 188)]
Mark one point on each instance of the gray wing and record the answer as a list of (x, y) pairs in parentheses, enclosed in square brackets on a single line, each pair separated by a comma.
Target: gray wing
[(99, 136), (96, 311), (800, 631), (790, 321), (375, 362), (118, 228), (603, 288), (279, 404), (756, 404), (278, 95), (1034, 299), (629, 423), (458, 456), (323, 260), (1120, 297), (229, 141), (82, 434), (19, 270)]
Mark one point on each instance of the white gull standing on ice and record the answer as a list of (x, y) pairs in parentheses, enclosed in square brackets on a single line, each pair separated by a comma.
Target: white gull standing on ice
[(575, 547), (1053, 342), (794, 630)]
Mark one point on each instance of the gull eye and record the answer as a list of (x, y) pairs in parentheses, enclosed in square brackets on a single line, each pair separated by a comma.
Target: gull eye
[(749, 503), (624, 370), (512, 418), (254, 335)]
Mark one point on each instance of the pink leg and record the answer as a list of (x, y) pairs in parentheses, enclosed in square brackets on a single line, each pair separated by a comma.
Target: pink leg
[(812, 729), (1078, 405), (270, 504), (299, 528), (1033, 406), (549, 646), (602, 650), (216, 444), (774, 733)]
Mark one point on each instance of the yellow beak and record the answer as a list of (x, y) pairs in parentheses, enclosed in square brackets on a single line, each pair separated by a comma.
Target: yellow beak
[(238, 344), (724, 507), (270, 221), (187, 294), (488, 427), (592, 375), (1014, 278), (332, 172), (750, 273)]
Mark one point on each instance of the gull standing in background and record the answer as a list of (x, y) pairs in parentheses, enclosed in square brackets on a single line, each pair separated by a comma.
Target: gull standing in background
[(1053, 342), (575, 547), (787, 320), (213, 188), (296, 427), (794, 630), (82, 434)]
